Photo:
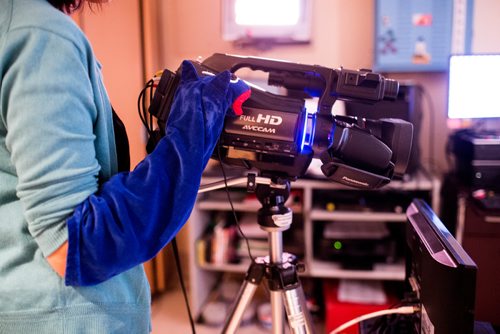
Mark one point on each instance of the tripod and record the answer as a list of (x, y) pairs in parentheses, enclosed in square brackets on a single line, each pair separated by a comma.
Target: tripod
[(279, 269)]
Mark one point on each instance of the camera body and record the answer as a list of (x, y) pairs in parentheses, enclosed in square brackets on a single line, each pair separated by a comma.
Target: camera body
[(279, 136), (269, 140)]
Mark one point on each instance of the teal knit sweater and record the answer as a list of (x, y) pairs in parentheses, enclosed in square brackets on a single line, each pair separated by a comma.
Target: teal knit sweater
[(56, 147)]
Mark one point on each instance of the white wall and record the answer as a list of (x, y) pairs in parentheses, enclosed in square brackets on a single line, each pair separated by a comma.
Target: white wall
[(342, 36), (486, 37), (192, 28), (114, 33)]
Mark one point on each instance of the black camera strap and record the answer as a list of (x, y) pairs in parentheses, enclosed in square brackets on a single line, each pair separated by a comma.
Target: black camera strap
[(121, 142)]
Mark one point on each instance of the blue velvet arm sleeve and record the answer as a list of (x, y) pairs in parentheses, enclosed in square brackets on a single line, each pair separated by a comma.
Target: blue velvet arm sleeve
[(135, 214)]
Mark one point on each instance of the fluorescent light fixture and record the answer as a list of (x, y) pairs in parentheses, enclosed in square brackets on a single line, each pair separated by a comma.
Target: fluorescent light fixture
[(280, 21), (267, 12)]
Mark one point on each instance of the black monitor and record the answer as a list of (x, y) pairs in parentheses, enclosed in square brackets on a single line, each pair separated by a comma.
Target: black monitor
[(440, 273)]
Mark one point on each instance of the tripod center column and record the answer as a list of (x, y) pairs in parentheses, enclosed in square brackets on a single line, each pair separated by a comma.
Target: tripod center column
[(276, 247)]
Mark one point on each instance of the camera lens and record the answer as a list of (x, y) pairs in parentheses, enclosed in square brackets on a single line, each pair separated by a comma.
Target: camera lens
[(391, 88)]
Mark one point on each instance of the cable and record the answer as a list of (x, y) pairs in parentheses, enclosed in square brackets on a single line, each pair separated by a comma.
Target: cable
[(151, 95), (147, 120), (231, 203), (431, 122), (399, 310), (409, 299), (181, 279), (142, 109)]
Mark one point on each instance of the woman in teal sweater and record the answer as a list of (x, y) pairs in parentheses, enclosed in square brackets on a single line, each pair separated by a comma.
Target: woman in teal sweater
[(73, 230)]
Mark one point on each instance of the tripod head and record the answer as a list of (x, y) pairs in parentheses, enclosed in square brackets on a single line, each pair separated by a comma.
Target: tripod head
[(272, 193), (274, 214)]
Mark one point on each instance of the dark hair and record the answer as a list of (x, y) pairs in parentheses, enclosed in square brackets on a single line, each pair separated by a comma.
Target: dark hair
[(66, 6), (69, 6)]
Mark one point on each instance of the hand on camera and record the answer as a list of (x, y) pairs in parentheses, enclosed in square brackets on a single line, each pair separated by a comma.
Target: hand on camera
[(206, 98), (225, 86)]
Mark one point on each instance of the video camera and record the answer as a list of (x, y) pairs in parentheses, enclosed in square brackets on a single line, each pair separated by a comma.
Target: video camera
[(279, 136)]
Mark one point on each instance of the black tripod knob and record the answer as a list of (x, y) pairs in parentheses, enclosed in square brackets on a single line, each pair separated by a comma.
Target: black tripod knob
[(274, 213)]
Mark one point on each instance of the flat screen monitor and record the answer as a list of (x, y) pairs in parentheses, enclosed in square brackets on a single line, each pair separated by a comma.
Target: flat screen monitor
[(474, 88), (440, 273)]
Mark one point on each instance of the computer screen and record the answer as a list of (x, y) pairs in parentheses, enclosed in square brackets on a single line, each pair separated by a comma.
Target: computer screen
[(474, 87), (440, 274)]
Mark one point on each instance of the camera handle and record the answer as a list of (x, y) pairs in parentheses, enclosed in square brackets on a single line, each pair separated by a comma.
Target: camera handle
[(279, 269)]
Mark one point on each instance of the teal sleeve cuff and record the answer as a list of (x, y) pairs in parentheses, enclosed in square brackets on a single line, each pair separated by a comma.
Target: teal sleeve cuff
[(52, 238)]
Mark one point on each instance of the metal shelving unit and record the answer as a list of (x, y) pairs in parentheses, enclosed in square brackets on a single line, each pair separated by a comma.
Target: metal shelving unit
[(203, 276)]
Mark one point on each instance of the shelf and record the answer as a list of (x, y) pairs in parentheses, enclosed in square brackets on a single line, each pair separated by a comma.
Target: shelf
[(381, 271), (378, 206), (225, 206), (227, 267), (419, 181), (358, 216), (251, 206)]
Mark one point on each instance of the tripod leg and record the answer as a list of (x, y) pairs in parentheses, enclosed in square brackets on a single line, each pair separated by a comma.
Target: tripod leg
[(254, 277), (244, 297), (299, 318), (284, 279), (278, 312), (276, 257)]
